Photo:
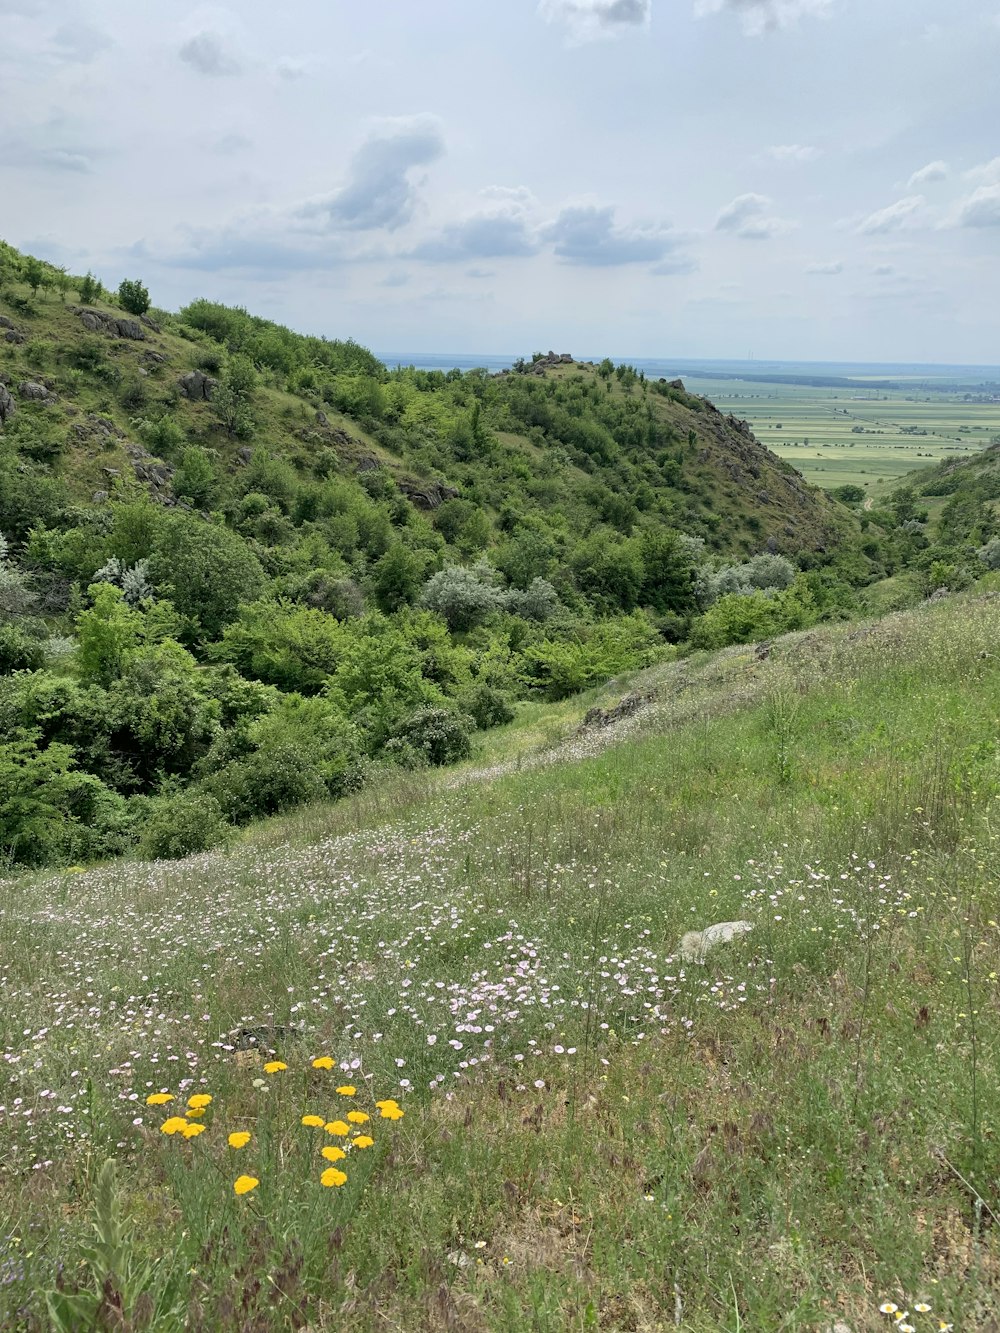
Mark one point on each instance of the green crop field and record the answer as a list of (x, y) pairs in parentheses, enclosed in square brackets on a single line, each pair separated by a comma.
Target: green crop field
[(834, 436)]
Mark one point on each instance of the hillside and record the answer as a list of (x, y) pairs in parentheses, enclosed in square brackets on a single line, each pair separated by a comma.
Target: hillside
[(242, 568), (585, 447), (556, 1120)]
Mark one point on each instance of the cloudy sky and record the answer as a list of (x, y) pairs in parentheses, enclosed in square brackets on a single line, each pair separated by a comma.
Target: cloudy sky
[(792, 178)]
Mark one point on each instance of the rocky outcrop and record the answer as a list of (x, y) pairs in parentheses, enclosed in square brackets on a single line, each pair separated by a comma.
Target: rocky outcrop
[(33, 392), (605, 717), (197, 386), (12, 334), (98, 322), (96, 430), (7, 405), (426, 494), (152, 472), (546, 362)]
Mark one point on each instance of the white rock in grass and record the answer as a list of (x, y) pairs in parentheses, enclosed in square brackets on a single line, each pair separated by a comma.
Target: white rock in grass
[(697, 943)]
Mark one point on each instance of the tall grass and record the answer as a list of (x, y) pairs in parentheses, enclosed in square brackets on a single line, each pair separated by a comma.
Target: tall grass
[(596, 1135)]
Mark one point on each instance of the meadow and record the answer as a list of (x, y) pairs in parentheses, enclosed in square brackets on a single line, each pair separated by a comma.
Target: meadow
[(819, 430), (430, 1058)]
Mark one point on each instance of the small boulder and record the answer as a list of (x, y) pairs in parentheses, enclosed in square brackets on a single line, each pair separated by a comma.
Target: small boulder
[(33, 391), (697, 944), (197, 386), (7, 405)]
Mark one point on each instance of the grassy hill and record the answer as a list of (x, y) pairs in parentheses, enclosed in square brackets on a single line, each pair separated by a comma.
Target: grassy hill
[(595, 1133), (241, 566)]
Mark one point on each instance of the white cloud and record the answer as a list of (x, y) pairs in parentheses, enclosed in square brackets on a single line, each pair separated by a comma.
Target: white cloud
[(208, 53), (891, 218), (987, 173), (747, 217), (981, 208), (793, 152), (590, 19), (379, 192), (740, 210), (934, 171), (503, 233), (829, 269), (760, 16), (585, 234)]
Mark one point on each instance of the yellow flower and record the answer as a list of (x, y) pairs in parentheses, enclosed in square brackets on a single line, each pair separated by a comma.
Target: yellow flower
[(195, 1112), (337, 1127), (159, 1098), (176, 1124), (240, 1139), (391, 1112), (333, 1153), (348, 1090), (274, 1066), (331, 1176), (199, 1101), (389, 1101), (323, 1062), (362, 1141), (192, 1131), (357, 1117), (244, 1184), (313, 1121)]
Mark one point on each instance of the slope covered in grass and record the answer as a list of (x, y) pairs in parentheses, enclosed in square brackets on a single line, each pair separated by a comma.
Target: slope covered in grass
[(595, 1134)]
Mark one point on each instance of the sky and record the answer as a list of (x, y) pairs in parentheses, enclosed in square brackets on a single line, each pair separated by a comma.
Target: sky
[(793, 179)]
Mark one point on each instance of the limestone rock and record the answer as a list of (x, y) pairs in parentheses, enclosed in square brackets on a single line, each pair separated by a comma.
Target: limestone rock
[(197, 386), (97, 322), (12, 333), (428, 494), (696, 944), (7, 405), (33, 391)]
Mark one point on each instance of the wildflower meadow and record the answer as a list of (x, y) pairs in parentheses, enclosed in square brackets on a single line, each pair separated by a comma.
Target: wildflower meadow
[(432, 1059)]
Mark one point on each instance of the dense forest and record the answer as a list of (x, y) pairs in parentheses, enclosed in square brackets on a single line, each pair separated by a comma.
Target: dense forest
[(243, 569)]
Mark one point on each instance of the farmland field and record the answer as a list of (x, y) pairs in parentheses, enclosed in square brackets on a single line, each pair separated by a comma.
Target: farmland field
[(835, 436)]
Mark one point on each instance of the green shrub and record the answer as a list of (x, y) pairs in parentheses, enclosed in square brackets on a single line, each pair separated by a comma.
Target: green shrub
[(133, 296), (18, 651), (463, 596), (44, 800), (206, 570), (486, 706), (181, 825), (440, 735)]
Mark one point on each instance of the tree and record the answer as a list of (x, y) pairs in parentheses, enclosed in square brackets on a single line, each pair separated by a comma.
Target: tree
[(232, 401), (35, 274), (90, 289), (109, 633), (133, 296), (196, 478), (397, 578), (208, 570)]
